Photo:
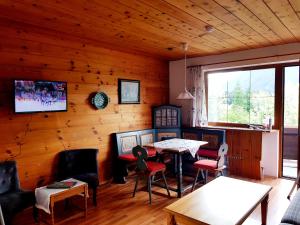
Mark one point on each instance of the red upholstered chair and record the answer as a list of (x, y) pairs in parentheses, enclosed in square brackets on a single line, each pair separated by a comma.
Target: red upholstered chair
[(147, 168), (217, 166), (214, 138)]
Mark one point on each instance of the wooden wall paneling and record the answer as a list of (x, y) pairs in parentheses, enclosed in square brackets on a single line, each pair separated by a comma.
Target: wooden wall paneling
[(97, 20), (143, 20), (287, 14), (266, 15), (296, 6), (181, 23), (249, 18), (130, 40), (35, 139), (152, 27), (221, 19)]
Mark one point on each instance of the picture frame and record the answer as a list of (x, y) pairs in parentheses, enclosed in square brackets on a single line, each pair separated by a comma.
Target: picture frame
[(129, 91)]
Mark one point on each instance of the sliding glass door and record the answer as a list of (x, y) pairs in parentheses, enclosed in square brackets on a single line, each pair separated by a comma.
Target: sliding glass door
[(291, 122)]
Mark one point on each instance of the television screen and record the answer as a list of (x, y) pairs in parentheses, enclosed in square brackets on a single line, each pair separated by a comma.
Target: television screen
[(40, 96)]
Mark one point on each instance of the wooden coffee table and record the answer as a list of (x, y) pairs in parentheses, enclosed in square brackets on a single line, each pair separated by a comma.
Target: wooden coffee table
[(223, 201)]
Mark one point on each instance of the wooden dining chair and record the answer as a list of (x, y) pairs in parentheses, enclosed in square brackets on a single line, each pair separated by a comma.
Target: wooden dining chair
[(216, 166), (148, 169)]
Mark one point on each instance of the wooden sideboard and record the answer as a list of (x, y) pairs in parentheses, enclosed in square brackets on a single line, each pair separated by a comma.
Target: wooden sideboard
[(252, 153)]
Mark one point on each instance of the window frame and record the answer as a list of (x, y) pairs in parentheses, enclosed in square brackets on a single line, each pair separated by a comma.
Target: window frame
[(278, 95)]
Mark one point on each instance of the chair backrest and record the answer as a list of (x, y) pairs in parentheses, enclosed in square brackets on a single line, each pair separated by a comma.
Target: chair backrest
[(221, 154), (124, 142), (141, 155), (77, 161), (215, 138), (9, 180)]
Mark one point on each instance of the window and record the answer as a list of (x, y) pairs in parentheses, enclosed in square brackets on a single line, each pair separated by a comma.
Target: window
[(245, 97)]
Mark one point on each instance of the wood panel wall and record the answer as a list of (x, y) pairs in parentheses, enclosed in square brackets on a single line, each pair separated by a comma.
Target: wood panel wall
[(33, 140)]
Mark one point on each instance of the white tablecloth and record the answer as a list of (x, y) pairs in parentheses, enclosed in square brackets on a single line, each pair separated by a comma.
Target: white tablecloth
[(42, 195), (179, 145)]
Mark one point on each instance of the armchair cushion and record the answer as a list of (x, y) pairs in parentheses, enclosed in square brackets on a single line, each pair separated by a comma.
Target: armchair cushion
[(77, 162), (15, 201), (9, 180), (12, 198)]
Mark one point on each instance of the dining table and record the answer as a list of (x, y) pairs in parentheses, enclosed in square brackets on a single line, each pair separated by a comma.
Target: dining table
[(178, 147)]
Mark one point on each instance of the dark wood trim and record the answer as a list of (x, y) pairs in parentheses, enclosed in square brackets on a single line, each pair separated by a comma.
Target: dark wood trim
[(223, 124), (298, 163), (278, 114), (241, 60)]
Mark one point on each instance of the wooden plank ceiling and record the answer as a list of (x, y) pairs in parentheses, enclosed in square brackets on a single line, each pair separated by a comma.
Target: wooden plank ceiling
[(157, 27)]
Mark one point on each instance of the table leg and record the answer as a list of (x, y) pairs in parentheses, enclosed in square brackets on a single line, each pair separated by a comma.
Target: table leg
[(85, 200), (264, 210), (179, 175), (52, 213), (171, 219)]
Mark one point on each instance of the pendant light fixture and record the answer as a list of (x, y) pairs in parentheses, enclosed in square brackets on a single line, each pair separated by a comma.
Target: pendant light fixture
[(185, 95)]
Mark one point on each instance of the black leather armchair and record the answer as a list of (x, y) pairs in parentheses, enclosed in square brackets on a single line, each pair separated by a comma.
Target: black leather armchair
[(81, 164), (12, 198)]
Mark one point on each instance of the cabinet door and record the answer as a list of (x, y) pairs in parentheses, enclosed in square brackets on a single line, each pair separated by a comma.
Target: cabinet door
[(245, 153), (256, 148), (233, 152)]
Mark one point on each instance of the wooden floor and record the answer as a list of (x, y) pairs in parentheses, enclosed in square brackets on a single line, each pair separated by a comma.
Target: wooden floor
[(117, 207)]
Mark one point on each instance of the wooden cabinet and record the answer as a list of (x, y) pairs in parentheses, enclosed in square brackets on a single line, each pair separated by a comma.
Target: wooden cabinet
[(244, 155), (166, 121), (166, 116), (252, 153)]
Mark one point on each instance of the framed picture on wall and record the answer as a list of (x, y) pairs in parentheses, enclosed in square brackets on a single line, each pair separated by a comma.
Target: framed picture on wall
[(129, 91)]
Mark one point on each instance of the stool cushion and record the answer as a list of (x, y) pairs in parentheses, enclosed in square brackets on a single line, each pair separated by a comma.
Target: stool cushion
[(208, 153), (155, 166), (206, 164), (128, 157)]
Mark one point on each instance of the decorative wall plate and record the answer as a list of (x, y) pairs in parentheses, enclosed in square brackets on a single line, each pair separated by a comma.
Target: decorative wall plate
[(100, 100)]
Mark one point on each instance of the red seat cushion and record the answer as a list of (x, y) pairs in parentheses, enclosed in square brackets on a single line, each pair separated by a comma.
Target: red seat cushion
[(128, 157), (206, 164), (155, 166), (208, 153), (151, 152)]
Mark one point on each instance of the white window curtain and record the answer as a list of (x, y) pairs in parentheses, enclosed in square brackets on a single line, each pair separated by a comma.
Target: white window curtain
[(196, 85)]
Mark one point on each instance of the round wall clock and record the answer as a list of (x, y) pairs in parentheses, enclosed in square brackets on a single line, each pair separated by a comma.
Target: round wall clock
[(100, 100)]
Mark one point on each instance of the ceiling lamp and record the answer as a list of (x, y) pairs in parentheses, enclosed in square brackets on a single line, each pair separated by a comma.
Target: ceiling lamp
[(185, 95)]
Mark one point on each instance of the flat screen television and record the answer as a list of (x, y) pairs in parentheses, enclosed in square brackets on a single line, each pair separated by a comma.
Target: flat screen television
[(40, 96)]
